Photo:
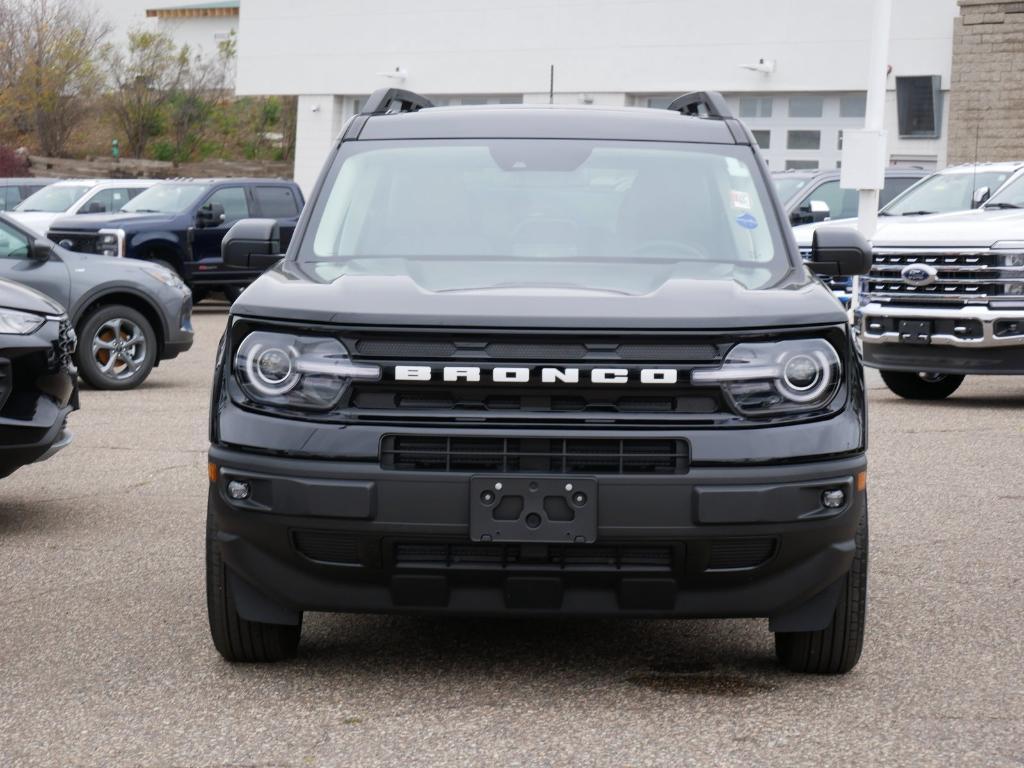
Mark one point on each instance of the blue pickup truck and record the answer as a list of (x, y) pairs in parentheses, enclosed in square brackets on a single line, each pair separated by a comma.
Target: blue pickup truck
[(180, 224)]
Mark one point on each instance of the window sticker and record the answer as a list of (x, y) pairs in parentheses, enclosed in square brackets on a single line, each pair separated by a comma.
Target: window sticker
[(747, 221), (740, 200)]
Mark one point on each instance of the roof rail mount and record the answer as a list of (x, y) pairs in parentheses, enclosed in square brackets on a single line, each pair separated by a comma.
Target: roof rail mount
[(702, 104), (390, 101)]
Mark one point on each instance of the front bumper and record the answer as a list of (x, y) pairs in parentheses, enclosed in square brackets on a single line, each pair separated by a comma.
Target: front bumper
[(178, 325), (969, 339), (38, 390), (736, 541)]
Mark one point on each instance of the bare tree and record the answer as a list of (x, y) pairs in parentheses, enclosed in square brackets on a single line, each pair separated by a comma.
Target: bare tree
[(201, 85), (143, 79), (47, 65)]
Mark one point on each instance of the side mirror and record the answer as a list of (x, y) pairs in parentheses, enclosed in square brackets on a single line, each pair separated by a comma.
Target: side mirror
[(41, 249), (981, 195), (210, 215), (819, 211), (840, 251), (94, 207), (252, 244)]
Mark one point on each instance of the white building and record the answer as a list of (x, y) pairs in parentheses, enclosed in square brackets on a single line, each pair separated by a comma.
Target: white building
[(200, 25), (796, 71)]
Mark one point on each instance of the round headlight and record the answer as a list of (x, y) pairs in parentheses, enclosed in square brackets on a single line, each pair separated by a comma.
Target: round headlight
[(273, 366), (801, 373), (806, 376), (271, 370)]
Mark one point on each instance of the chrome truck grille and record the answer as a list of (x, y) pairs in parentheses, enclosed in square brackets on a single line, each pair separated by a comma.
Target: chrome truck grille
[(946, 278)]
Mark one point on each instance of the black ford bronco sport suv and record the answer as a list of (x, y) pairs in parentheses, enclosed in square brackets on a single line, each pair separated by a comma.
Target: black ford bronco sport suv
[(540, 361)]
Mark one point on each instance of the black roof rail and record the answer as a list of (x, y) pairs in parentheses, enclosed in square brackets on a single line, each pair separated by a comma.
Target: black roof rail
[(702, 104), (388, 101)]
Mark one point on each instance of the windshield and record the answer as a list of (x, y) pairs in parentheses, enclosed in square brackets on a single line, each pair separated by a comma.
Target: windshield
[(1011, 196), (515, 212), (53, 199), (944, 192), (788, 186), (166, 198)]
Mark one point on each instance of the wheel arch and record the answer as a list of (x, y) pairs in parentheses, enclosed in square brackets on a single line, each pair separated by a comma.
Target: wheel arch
[(128, 298)]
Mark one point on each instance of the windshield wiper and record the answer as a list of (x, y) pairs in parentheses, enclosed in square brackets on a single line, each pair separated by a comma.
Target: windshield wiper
[(916, 213), (1000, 206), (142, 210)]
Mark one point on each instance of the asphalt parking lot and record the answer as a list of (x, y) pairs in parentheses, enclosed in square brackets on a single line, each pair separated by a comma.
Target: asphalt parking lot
[(105, 657)]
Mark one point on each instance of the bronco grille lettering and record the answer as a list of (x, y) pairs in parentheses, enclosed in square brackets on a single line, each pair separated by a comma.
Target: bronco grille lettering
[(526, 374)]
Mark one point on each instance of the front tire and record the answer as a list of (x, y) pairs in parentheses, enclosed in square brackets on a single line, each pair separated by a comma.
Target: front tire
[(235, 638), (835, 649), (117, 348), (922, 386)]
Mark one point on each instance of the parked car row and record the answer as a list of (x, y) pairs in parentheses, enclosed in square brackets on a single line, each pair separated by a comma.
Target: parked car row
[(98, 280), (957, 188)]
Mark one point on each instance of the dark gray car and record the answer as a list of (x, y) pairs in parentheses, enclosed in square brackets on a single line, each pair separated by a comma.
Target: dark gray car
[(128, 315)]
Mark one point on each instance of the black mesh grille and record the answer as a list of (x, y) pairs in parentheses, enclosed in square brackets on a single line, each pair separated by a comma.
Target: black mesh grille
[(527, 556), (577, 401), (737, 554), (541, 455), (327, 547)]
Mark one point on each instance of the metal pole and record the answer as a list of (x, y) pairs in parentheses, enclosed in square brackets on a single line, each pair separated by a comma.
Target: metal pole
[(874, 116)]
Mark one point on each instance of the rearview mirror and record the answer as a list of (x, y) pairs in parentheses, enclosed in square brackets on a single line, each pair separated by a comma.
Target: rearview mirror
[(840, 251), (252, 244), (210, 215), (981, 194)]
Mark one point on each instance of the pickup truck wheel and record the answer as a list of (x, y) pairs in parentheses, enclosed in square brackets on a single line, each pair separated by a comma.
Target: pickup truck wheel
[(117, 348), (835, 649), (922, 386), (164, 264), (235, 638)]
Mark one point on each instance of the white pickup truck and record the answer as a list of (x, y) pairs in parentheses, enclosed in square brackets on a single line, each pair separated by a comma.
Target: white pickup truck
[(956, 188), (945, 297)]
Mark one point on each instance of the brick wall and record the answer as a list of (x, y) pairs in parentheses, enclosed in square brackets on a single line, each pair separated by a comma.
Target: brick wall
[(986, 111)]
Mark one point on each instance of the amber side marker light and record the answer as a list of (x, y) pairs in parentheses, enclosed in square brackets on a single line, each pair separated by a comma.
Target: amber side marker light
[(862, 480), (211, 470)]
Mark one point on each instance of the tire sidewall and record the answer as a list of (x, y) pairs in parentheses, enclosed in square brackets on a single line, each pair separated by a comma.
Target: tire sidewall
[(89, 370)]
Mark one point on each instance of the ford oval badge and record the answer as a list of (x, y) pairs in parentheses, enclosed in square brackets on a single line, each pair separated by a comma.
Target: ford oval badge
[(919, 275)]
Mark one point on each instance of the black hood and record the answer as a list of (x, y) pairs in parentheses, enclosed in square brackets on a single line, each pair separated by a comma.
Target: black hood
[(288, 291), (93, 222), (17, 296)]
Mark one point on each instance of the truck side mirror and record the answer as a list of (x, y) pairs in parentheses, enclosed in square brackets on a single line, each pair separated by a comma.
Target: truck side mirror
[(252, 244), (840, 251), (210, 215), (981, 195), (819, 211)]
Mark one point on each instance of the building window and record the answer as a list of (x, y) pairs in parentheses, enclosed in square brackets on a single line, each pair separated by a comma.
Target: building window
[(806, 105), (763, 139), (801, 165), (660, 102), (803, 140), (755, 106), (853, 104), (919, 106)]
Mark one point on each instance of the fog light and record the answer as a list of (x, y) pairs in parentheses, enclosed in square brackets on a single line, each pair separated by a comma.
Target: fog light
[(239, 490), (834, 498)]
